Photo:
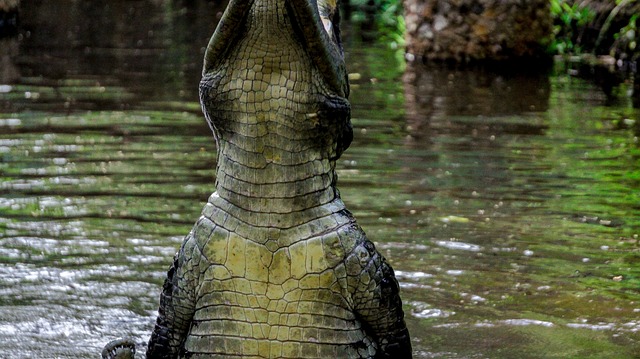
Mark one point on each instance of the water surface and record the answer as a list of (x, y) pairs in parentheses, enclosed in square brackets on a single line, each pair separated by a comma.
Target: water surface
[(508, 203)]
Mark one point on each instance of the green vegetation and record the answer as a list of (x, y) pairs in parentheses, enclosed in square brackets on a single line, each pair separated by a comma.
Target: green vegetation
[(616, 32), (612, 15), (627, 37), (569, 19), (387, 18)]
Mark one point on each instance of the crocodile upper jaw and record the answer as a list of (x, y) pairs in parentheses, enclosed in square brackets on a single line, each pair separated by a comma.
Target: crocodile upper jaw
[(314, 23)]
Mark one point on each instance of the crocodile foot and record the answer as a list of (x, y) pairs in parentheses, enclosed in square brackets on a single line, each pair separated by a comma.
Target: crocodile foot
[(119, 349)]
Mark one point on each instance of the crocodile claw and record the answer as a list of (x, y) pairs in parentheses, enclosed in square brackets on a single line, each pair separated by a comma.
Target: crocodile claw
[(119, 349)]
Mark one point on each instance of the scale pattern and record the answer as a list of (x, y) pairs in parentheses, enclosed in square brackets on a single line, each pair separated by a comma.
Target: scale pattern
[(276, 267)]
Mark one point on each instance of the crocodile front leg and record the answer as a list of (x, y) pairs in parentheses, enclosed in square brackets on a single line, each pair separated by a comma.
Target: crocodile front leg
[(176, 310), (376, 298)]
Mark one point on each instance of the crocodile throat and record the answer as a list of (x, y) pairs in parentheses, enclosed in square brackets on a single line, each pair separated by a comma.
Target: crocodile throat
[(278, 126)]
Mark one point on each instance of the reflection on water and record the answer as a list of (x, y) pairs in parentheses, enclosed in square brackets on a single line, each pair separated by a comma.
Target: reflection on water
[(116, 54), (507, 203), (8, 51)]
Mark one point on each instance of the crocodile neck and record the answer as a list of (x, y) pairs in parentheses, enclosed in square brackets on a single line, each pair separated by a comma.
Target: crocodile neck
[(272, 157)]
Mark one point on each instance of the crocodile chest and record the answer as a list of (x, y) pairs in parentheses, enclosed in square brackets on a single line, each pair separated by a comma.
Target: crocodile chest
[(277, 293)]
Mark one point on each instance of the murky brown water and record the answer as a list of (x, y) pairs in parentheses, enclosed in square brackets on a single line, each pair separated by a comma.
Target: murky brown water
[(509, 204)]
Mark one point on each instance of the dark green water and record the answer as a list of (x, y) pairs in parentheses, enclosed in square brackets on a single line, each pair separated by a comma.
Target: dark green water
[(508, 204)]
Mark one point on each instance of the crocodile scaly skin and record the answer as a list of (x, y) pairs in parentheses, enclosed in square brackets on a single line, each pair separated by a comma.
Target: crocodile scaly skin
[(276, 267)]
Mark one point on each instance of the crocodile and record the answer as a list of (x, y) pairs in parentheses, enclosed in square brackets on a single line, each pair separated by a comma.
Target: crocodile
[(276, 266)]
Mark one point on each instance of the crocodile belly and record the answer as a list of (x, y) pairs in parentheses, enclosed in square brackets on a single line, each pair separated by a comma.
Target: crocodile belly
[(292, 302)]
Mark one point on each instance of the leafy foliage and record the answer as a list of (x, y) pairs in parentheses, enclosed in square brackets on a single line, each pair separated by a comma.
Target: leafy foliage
[(573, 18), (568, 20), (627, 37), (387, 15)]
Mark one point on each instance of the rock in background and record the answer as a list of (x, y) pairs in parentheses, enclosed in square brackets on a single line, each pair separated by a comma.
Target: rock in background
[(476, 30)]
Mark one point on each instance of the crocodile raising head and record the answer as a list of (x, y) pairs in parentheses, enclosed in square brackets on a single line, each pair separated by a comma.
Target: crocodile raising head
[(276, 267)]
